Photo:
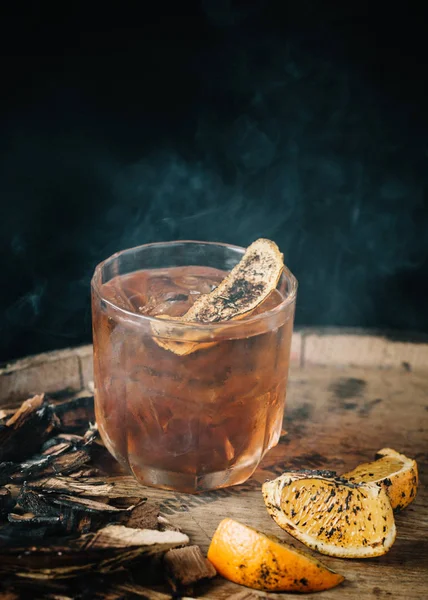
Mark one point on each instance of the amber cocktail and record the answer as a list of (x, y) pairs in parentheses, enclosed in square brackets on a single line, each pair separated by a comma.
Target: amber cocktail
[(198, 420)]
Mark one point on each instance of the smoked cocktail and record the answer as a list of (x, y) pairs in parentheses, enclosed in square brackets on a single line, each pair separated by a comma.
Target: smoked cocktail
[(189, 399)]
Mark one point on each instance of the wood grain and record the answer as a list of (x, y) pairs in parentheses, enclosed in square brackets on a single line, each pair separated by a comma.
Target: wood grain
[(333, 422), (337, 416)]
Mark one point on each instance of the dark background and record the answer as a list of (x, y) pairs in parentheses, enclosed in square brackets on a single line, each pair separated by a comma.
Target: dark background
[(301, 121)]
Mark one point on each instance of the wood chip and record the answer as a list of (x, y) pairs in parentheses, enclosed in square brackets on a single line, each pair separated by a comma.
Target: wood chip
[(32, 502), (60, 443), (42, 466), (54, 493), (75, 415), (76, 513), (84, 514), (60, 455), (104, 551), (25, 431), (186, 566), (119, 536), (144, 516), (32, 519), (113, 487), (24, 412), (66, 463)]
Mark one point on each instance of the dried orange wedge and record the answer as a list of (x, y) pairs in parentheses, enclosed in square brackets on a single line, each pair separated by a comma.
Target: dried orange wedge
[(247, 285), (397, 473), (251, 558), (331, 514)]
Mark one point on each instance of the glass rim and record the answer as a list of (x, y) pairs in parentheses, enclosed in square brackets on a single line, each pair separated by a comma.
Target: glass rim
[(183, 325)]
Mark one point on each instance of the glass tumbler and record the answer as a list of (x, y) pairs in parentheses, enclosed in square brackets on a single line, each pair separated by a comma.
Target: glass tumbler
[(187, 406)]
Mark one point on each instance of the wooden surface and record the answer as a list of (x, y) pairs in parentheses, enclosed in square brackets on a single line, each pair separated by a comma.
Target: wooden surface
[(337, 416)]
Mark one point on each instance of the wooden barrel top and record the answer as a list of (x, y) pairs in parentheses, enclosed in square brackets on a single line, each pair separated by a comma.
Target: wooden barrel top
[(350, 394)]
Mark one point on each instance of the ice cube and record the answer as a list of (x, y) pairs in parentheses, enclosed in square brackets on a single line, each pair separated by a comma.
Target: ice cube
[(193, 283)]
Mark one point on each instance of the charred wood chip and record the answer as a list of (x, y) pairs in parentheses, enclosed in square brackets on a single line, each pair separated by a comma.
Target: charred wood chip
[(186, 566), (32, 519), (32, 502), (75, 415), (104, 551), (46, 465), (72, 440), (63, 440), (66, 521), (65, 463), (113, 487), (25, 431), (75, 514), (59, 447), (86, 514), (62, 454), (17, 472), (144, 516)]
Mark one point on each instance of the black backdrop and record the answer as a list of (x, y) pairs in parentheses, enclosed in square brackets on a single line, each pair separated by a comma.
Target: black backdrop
[(302, 121)]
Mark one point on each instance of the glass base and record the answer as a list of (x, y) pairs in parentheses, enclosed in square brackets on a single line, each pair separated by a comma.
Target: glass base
[(193, 484)]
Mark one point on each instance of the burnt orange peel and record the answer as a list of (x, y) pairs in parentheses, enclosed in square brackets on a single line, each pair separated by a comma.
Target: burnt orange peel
[(331, 514), (395, 472), (247, 285), (248, 557)]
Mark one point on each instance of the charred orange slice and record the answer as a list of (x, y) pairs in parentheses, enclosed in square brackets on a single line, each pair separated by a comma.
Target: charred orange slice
[(248, 557), (397, 473), (247, 285), (331, 514)]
